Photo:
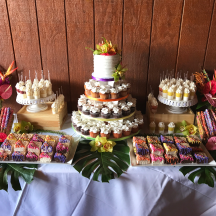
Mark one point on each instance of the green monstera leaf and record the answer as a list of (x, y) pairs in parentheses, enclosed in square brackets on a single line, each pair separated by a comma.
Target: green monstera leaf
[(105, 164), (26, 171), (206, 175)]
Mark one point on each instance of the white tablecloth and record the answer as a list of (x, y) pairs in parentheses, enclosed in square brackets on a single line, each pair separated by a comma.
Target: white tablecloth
[(60, 190)]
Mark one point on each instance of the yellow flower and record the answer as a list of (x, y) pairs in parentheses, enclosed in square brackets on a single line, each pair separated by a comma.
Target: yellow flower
[(101, 144), (17, 127), (191, 129)]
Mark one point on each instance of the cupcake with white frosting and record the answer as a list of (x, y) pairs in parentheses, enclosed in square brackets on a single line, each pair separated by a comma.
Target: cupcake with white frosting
[(117, 132), (171, 127), (126, 110), (85, 130), (179, 94), (135, 127), (94, 112), (95, 92), (105, 113), (186, 95), (86, 109), (105, 132), (114, 92), (88, 88), (117, 112), (122, 91), (94, 132), (104, 93), (126, 131)]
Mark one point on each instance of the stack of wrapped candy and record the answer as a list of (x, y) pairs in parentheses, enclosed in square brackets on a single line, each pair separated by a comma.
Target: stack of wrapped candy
[(6, 119), (174, 150), (34, 147)]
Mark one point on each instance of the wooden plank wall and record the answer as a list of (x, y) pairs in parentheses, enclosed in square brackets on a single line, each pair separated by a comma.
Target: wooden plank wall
[(154, 36)]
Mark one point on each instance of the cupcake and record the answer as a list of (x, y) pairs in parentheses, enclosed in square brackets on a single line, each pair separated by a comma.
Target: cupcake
[(130, 105), (88, 88), (126, 110), (36, 93), (192, 93), (126, 131), (186, 95), (114, 92), (165, 91), (104, 93), (117, 132), (85, 130), (105, 132), (152, 127), (80, 104), (94, 132), (86, 109), (140, 123), (105, 113), (94, 112), (29, 93), (179, 94), (161, 88), (122, 103), (170, 93), (135, 127), (122, 91), (161, 127), (95, 92), (154, 105), (128, 85), (171, 127), (117, 112), (79, 125)]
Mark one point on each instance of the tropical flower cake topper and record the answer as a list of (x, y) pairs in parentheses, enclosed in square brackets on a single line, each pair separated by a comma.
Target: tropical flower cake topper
[(105, 48)]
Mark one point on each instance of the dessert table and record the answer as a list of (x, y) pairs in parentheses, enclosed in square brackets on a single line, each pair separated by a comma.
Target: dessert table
[(58, 189)]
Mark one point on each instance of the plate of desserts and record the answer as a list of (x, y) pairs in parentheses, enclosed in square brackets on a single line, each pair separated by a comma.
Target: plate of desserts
[(169, 150), (38, 148)]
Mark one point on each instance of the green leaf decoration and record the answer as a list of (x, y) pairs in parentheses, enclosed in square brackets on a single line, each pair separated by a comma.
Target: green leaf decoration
[(205, 174), (201, 104), (26, 171), (105, 164)]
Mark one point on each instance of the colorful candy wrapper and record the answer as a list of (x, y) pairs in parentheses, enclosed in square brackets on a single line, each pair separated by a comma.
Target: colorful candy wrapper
[(203, 123), (213, 121), (213, 115), (200, 128), (209, 123)]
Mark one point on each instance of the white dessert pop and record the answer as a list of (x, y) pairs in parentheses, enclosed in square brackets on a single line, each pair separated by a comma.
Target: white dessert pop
[(165, 91), (23, 91), (192, 92), (29, 92), (170, 93), (36, 93), (161, 88), (186, 94), (171, 127), (152, 127), (54, 107), (179, 94), (154, 105), (161, 127)]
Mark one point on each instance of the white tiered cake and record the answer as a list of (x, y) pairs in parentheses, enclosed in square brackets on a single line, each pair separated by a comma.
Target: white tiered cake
[(107, 109)]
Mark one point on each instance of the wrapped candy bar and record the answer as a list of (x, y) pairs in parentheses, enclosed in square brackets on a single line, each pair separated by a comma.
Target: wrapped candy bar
[(208, 122), (200, 128), (204, 123)]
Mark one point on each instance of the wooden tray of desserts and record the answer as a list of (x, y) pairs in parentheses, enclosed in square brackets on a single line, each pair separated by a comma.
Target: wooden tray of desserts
[(103, 119), (133, 161), (34, 147)]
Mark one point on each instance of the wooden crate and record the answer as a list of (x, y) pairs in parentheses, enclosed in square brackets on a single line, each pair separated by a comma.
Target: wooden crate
[(45, 119), (163, 115)]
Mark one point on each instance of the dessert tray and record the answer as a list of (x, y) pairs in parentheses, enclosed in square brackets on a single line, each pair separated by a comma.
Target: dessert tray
[(177, 107), (74, 145), (35, 105), (103, 119), (111, 137), (133, 162)]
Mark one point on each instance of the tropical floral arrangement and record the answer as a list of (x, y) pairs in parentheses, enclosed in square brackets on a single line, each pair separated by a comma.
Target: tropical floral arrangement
[(119, 72), (105, 48), (5, 87), (23, 127), (206, 89), (186, 129), (101, 144)]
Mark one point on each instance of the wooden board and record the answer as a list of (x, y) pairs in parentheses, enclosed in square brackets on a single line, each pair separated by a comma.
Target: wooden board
[(6, 53), (80, 34), (133, 158), (210, 57), (194, 34), (164, 39), (163, 115), (45, 119), (24, 29), (136, 42), (51, 24), (108, 21)]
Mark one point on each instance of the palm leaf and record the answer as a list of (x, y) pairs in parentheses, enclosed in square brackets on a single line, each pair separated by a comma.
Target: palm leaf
[(26, 171), (104, 164)]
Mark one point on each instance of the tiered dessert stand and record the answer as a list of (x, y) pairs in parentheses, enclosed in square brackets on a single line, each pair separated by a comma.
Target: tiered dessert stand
[(106, 120), (35, 105), (177, 107)]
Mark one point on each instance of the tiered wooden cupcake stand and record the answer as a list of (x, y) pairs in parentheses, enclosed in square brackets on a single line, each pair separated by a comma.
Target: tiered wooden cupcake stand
[(106, 120)]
